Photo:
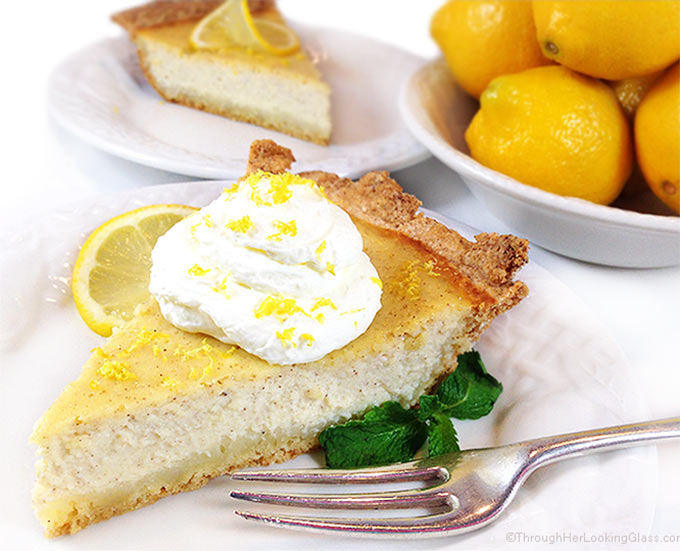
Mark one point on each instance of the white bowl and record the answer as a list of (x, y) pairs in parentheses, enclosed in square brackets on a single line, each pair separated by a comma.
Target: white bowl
[(438, 112)]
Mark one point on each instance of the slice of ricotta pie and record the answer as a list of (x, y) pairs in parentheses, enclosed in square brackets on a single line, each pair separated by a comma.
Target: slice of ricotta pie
[(158, 410), (283, 92)]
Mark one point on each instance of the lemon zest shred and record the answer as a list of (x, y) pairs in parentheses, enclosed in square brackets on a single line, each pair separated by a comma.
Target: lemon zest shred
[(240, 225), (231, 191), (143, 338), (331, 268), (197, 271), (279, 191), (322, 192), (94, 385), (319, 250), (194, 374), (221, 287), (279, 187), (280, 307), (158, 353), (208, 221), (201, 374), (377, 281), (206, 349), (321, 302), (430, 267), (284, 228), (307, 337), (99, 352), (116, 371), (225, 354), (408, 284), (354, 311), (286, 337)]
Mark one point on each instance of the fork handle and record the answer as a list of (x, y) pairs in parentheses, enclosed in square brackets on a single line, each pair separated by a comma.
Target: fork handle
[(548, 450)]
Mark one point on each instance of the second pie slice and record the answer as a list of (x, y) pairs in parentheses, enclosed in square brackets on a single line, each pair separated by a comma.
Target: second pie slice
[(285, 93)]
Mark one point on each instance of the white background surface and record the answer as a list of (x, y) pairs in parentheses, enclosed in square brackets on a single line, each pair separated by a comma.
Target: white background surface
[(43, 166)]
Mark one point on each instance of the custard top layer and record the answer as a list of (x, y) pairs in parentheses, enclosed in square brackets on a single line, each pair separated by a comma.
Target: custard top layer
[(148, 361), (175, 38)]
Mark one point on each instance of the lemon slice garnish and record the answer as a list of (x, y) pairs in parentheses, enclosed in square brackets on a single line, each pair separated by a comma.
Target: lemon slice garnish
[(111, 274), (275, 37), (232, 25)]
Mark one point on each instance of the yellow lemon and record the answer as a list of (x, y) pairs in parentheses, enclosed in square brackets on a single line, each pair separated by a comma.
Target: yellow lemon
[(111, 273), (554, 129), (610, 39), (630, 91), (485, 39), (657, 138), (232, 24)]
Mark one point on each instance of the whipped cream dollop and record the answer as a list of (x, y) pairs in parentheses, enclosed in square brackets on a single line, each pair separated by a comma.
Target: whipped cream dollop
[(271, 266)]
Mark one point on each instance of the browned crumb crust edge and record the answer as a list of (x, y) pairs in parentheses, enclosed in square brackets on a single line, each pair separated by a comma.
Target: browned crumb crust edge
[(82, 520), (485, 267), (166, 12)]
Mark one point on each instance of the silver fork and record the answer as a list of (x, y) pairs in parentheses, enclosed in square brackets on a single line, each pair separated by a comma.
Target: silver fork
[(471, 487)]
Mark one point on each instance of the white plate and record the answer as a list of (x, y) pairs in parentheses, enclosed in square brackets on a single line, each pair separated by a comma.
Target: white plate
[(101, 95), (560, 368), (438, 112)]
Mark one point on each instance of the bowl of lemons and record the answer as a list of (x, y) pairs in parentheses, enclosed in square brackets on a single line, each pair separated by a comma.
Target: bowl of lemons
[(563, 118)]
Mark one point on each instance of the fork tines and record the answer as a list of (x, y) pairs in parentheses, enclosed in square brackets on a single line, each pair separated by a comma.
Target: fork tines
[(432, 524), (429, 497), (404, 472)]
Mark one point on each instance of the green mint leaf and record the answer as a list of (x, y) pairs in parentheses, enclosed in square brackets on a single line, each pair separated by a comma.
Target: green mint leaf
[(441, 436), (391, 412), (387, 434), (469, 392), (429, 405)]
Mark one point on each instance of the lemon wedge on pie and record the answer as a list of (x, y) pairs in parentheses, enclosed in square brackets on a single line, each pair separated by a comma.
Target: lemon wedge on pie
[(232, 24), (111, 273)]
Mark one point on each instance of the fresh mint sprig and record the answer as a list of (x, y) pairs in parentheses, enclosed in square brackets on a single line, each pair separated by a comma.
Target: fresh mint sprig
[(389, 433), (469, 392)]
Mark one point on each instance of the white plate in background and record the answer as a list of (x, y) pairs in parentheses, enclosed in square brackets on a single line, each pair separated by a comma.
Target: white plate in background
[(101, 95), (438, 112), (560, 369)]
